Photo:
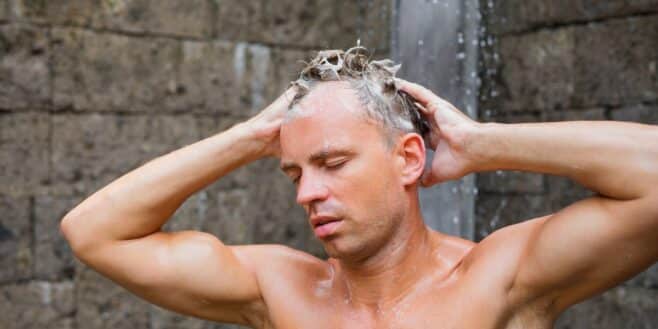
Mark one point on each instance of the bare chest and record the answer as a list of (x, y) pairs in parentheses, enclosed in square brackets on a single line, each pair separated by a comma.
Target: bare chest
[(454, 307)]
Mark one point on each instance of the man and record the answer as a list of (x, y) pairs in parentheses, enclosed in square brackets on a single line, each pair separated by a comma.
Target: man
[(351, 138)]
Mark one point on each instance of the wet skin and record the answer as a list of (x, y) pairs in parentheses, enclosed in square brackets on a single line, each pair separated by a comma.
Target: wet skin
[(386, 269)]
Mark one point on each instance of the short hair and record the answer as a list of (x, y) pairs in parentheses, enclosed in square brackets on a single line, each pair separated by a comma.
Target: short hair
[(374, 83)]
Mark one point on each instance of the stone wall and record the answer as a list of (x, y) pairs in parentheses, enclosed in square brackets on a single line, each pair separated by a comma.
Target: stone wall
[(567, 60), (90, 90)]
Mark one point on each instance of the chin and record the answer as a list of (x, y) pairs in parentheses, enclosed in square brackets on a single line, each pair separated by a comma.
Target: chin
[(342, 249)]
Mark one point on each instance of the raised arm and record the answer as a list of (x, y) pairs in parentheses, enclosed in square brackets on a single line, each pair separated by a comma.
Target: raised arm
[(587, 247), (116, 230)]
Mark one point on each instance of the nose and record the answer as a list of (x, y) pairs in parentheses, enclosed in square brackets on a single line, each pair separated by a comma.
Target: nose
[(311, 189)]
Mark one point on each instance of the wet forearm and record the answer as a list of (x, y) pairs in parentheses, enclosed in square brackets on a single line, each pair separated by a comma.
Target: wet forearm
[(615, 159), (141, 201)]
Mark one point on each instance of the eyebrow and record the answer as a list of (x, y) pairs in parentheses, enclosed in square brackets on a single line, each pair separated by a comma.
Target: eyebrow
[(319, 156)]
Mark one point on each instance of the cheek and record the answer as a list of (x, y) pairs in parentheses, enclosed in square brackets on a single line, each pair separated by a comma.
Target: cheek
[(370, 191)]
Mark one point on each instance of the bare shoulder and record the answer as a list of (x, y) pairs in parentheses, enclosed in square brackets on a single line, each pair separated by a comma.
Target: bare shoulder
[(496, 259), (281, 273), (505, 244), (277, 262)]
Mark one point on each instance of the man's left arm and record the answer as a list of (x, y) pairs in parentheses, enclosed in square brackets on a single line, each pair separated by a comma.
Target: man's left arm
[(595, 243)]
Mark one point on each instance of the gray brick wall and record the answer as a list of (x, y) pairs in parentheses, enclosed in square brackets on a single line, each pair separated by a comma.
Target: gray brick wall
[(568, 60), (90, 90)]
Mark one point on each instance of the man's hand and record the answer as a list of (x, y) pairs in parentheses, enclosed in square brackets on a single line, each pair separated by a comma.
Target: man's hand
[(450, 133), (265, 126)]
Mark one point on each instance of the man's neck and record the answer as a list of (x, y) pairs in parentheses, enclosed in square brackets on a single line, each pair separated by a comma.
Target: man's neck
[(390, 274)]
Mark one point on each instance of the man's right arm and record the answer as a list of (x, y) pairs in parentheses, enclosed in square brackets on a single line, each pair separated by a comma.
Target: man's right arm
[(116, 231)]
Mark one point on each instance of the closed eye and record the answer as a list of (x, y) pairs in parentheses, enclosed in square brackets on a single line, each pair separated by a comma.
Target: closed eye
[(335, 164), (295, 180)]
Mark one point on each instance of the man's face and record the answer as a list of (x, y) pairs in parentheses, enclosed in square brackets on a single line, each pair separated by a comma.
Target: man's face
[(345, 174)]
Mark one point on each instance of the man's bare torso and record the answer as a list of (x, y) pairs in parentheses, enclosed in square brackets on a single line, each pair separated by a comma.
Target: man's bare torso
[(465, 291)]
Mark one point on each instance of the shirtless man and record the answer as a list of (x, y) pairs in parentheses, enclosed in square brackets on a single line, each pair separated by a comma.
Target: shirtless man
[(354, 148)]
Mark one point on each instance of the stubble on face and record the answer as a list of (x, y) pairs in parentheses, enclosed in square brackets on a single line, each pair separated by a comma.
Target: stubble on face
[(364, 192)]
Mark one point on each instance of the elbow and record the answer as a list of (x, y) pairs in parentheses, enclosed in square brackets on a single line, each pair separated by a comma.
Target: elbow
[(77, 228), (79, 242), (67, 230)]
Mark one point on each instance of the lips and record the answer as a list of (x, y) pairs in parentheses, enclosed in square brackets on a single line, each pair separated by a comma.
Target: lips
[(325, 225), (320, 220)]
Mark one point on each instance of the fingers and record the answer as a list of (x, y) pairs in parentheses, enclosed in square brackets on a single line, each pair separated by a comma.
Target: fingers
[(287, 95), (420, 93), (422, 108), (428, 178), (282, 102)]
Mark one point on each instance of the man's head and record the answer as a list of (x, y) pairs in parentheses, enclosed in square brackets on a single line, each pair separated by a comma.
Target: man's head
[(374, 83), (352, 144)]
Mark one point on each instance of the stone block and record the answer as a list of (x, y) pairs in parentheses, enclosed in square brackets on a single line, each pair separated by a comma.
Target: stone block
[(537, 70), (24, 73), (309, 23), (640, 113), (36, 305), (90, 151), (258, 79), (312, 23), (232, 221), (260, 74), (4, 10), (616, 62), (70, 12), (107, 72), (215, 77), (177, 18), (24, 152), (517, 16), (622, 307), (54, 259), (239, 19), (16, 256), (375, 29), (104, 304), (510, 181), (121, 73), (494, 211), (172, 17)]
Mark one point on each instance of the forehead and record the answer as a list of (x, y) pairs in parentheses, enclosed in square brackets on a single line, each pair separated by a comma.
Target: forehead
[(331, 96), (329, 117)]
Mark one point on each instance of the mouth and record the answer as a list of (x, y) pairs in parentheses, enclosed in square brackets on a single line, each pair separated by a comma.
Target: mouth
[(325, 226)]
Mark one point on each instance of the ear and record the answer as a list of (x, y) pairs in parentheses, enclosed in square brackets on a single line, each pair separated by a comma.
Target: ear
[(411, 158)]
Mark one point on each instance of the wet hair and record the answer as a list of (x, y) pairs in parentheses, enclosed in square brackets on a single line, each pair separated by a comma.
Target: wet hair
[(374, 83)]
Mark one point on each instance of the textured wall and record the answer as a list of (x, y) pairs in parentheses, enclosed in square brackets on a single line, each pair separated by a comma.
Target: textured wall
[(568, 60), (92, 89)]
